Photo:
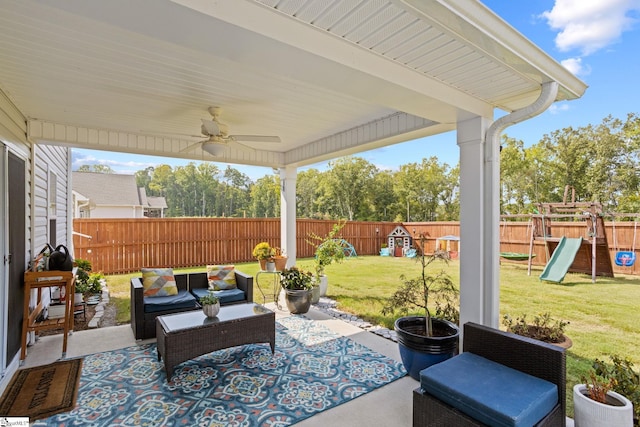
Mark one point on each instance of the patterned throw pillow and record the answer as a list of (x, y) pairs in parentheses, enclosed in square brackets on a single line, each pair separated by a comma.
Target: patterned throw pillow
[(158, 282), (221, 277)]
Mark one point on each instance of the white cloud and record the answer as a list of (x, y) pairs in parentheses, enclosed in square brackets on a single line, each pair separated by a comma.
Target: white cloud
[(124, 167), (576, 67), (590, 25), (558, 108)]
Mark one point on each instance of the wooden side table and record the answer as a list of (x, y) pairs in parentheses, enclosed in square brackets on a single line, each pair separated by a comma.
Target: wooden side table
[(30, 323)]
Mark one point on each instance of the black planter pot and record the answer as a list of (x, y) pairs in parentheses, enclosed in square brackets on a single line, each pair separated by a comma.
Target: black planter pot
[(298, 301), (419, 351)]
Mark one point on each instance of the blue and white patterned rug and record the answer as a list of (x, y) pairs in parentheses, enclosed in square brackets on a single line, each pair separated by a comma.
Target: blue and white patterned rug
[(313, 369)]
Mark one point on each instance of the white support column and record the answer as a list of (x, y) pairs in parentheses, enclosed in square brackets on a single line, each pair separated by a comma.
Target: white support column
[(288, 177), (478, 292)]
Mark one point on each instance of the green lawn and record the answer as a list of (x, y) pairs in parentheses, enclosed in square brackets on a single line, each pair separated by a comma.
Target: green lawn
[(603, 316)]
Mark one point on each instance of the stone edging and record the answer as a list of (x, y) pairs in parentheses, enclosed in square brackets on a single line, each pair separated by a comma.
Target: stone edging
[(328, 306), (95, 321)]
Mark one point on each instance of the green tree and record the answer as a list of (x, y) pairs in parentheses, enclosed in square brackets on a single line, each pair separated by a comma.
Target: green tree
[(421, 187), (383, 197), (307, 193), (265, 197), (96, 169), (348, 186)]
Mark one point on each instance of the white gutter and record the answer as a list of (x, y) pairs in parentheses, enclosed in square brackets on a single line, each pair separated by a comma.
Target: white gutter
[(491, 244)]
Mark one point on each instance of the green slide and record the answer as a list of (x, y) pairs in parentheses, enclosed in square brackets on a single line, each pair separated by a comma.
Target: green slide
[(561, 260)]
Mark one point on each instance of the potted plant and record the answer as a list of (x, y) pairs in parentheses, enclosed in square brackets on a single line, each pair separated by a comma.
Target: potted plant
[(429, 339), (210, 304), (297, 286), (542, 328), (83, 269), (627, 380), (264, 253), (327, 250), (595, 404), (280, 259)]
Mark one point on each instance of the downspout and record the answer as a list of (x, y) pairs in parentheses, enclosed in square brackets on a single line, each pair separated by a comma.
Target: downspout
[(491, 279), (70, 212)]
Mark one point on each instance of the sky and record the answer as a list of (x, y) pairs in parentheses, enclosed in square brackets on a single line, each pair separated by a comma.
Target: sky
[(599, 41)]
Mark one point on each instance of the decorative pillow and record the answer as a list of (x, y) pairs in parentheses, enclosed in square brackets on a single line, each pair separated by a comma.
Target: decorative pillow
[(158, 282), (221, 277)]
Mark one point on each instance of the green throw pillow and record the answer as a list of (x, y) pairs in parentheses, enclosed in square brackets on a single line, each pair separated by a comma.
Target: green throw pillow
[(221, 277), (158, 282)]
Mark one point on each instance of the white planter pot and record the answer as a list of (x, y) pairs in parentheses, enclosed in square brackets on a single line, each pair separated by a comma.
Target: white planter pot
[(589, 413), (271, 266), (324, 284), (78, 298), (211, 310)]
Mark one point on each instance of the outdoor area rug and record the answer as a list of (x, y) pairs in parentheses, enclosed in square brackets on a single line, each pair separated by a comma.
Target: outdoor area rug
[(313, 369), (42, 391)]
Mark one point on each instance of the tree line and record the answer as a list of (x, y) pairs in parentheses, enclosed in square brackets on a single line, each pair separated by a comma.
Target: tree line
[(601, 162)]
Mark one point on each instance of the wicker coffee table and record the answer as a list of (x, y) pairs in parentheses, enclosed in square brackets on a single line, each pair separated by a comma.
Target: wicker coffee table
[(185, 336)]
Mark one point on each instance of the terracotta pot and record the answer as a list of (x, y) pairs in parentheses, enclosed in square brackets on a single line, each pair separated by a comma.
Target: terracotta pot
[(281, 263)]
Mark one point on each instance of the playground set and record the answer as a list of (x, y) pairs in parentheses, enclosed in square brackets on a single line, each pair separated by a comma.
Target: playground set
[(588, 254)]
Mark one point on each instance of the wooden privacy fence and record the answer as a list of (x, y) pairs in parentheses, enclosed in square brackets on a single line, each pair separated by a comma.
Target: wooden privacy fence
[(125, 245)]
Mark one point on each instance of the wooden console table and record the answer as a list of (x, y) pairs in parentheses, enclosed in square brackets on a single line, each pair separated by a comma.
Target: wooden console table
[(45, 279)]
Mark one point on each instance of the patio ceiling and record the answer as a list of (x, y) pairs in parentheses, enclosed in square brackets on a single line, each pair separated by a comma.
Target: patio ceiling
[(329, 77)]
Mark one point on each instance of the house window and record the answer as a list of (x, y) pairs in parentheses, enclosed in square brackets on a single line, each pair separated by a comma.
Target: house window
[(53, 195), (53, 207)]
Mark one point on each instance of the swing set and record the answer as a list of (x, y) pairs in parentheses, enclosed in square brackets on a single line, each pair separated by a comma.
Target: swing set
[(624, 258)]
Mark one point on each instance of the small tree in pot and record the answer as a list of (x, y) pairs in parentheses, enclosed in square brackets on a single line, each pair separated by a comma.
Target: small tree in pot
[(432, 338), (327, 251)]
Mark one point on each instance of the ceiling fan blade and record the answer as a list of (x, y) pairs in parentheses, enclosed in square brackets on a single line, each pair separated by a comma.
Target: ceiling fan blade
[(255, 138), (191, 147), (209, 127), (242, 146)]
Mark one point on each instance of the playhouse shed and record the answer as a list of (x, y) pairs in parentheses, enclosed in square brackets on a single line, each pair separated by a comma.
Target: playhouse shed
[(399, 241)]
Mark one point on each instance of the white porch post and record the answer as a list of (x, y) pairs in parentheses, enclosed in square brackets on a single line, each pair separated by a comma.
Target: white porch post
[(479, 221), (288, 177)]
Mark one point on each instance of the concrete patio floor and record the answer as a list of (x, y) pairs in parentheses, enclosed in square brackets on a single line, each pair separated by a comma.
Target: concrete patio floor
[(390, 405)]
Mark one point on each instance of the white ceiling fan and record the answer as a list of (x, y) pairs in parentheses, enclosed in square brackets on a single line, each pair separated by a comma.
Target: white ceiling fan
[(219, 139)]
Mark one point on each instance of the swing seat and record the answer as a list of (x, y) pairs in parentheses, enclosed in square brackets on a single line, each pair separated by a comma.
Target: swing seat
[(625, 258)]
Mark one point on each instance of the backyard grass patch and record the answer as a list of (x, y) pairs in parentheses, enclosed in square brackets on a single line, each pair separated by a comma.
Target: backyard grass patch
[(602, 316)]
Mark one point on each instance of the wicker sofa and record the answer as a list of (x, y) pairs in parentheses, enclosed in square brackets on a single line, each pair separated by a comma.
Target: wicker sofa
[(190, 287), (541, 361)]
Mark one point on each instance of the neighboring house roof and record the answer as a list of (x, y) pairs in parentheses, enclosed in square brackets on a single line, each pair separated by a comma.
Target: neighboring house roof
[(109, 189), (151, 202), (156, 202)]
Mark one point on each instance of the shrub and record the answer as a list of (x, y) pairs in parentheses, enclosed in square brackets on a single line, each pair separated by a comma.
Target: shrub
[(627, 380), (543, 327)]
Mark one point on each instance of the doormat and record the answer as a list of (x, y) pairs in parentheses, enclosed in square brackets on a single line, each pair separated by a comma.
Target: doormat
[(42, 391), (313, 370)]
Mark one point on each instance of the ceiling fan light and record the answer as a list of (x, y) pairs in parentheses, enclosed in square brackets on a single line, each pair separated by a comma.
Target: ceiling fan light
[(214, 149)]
